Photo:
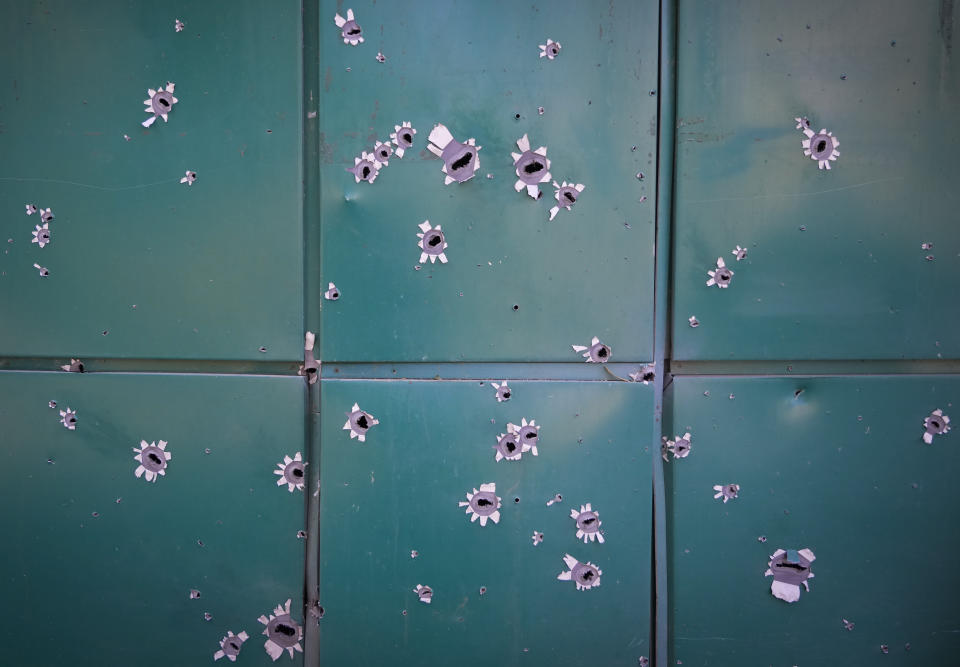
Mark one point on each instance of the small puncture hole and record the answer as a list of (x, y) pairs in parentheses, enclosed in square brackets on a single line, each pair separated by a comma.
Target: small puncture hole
[(483, 590), (517, 116), (285, 629), (516, 500), (362, 421), (483, 502), (462, 162), (516, 307)]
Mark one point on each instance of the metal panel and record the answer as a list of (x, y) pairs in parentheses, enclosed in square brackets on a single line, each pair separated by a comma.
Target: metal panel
[(839, 468), (140, 265), (835, 266), (98, 565), (517, 287), (398, 491)]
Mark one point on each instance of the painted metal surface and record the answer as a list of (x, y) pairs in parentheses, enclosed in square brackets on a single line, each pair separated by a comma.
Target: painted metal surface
[(398, 491), (517, 287), (98, 565), (839, 468), (835, 267), (141, 265)]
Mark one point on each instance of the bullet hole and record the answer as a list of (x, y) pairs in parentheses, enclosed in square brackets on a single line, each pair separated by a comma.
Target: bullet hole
[(848, 625), (51, 461), (462, 162), (199, 543), (843, 77), (404, 612), (516, 307), (762, 538), (425, 593), (516, 500), (94, 514), (414, 553), (207, 616), (302, 534), (803, 228), (797, 393), (540, 110), (106, 332), (119, 500), (884, 649), (517, 116), (556, 499), (652, 93), (194, 594), (694, 322), (206, 451), (52, 404), (483, 590)]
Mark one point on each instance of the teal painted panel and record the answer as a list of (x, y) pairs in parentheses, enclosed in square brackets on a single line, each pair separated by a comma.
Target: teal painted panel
[(98, 565), (211, 270), (835, 266), (517, 287), (398, 491), (840, 469)]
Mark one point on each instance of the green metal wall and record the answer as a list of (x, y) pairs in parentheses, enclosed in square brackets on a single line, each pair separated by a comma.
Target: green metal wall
[(806, 382)]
